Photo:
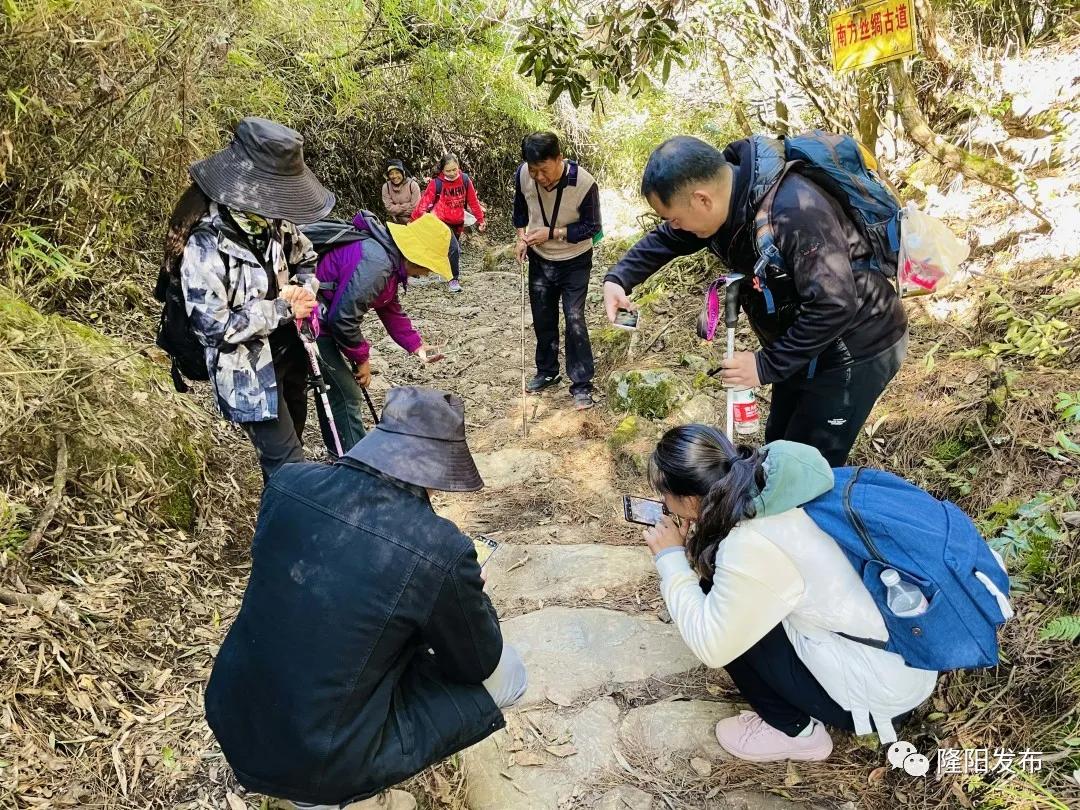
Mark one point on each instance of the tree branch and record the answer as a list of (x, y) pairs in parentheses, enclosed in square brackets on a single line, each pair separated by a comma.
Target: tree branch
[(37, 603), (967, 163)]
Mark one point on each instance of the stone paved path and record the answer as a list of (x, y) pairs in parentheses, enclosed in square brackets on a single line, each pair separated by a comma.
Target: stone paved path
[(607, 708), (571, 743)]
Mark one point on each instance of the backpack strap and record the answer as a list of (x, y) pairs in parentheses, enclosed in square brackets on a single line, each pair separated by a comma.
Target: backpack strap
[(438, 194), (868, 642), (765, 239)]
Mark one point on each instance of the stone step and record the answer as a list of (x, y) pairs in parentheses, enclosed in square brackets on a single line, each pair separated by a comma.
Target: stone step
[(549, 758), (514, 466), (551, 533), (524, 575), (514, 768), (677, 726), (571, 651)]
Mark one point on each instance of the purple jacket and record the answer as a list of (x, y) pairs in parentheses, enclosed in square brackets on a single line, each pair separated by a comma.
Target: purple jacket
[(367, 274)]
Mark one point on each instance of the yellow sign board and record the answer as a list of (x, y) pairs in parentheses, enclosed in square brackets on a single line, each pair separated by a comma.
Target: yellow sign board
[(872, 33)]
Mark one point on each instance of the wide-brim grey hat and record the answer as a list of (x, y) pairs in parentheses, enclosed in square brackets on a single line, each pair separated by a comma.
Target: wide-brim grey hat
[(421, 440), (263, 172)]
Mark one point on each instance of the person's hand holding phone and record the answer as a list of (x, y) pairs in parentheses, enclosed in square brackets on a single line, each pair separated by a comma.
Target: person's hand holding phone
[(615, 298), (666, 534)]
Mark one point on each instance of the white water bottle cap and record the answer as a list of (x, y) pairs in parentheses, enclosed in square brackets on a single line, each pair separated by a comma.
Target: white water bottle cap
[(890, 577)]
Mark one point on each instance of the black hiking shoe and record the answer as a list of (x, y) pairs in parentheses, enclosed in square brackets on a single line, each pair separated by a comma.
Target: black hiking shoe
[(542, 381)]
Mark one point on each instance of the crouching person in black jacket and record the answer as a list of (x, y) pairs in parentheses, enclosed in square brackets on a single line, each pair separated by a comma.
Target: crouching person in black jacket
[(365, 648)]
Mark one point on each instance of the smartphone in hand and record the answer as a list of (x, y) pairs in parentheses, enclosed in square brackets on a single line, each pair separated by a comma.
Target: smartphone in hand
[(485, 547), (626, 319), (643, 511)]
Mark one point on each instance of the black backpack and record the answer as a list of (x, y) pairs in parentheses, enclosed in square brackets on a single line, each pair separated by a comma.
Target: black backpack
[(174, 333), (327, 234)]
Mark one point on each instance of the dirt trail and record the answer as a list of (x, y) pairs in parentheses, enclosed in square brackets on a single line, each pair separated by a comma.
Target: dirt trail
[(616, 701)]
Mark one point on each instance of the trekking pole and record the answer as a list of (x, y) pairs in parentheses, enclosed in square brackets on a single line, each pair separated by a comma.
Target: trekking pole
[(307, 337), (370, 404), (524, 418), (731, 319)]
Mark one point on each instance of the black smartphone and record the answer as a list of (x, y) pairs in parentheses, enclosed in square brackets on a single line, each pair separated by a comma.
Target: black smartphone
[(626, 319), (485, 547), (644, 511)]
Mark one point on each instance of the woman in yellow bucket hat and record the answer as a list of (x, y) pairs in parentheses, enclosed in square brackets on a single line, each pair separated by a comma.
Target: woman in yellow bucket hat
[(367, 274)]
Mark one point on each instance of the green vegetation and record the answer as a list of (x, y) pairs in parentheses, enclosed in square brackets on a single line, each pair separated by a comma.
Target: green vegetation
[(625, 433), (651, 394), (109, 102)]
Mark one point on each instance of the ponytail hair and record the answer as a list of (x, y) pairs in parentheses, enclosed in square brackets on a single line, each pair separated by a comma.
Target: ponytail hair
[(699, 461)]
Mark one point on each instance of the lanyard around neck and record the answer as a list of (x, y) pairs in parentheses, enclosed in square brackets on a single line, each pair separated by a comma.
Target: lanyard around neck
[(558, 201)]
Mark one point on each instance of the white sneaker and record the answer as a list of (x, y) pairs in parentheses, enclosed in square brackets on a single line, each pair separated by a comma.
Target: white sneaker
[(387, 800)]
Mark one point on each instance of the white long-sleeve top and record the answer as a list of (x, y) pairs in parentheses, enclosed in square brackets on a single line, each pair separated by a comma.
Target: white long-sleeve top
[(782, 569)]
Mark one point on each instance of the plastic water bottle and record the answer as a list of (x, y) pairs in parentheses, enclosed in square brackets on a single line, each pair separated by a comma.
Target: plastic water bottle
[(746, 411), (903, 598)]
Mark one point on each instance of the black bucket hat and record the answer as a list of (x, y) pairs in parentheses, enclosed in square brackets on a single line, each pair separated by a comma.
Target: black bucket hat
[(395, 164), (263, 172), (421, 440)]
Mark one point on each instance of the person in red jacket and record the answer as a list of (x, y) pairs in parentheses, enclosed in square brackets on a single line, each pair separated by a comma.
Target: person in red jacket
[(447, 196)]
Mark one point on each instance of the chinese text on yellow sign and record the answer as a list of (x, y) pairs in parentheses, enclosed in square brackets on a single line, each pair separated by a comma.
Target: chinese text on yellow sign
[(872, 33)]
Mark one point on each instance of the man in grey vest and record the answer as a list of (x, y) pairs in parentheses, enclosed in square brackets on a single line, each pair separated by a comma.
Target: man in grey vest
[(557, 216)]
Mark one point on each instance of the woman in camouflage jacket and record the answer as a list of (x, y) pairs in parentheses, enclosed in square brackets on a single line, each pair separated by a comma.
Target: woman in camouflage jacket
[(248, 280)]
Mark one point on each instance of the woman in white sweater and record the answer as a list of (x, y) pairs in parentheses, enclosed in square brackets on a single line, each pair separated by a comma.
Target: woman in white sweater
[(755, 587)]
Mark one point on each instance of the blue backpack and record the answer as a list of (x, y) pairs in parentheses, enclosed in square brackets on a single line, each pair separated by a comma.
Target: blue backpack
[(881, 521), (838, 166)]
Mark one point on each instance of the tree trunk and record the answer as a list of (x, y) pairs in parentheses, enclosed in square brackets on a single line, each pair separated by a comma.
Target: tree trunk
[(869, 119), (735, 101), (968, 164)]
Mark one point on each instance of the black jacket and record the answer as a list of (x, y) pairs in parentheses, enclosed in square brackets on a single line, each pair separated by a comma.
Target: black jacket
[(325, 690), (824, 309)]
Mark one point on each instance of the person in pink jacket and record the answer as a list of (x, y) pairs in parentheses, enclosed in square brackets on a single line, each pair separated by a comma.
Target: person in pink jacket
[(447, 196), (400, 193)]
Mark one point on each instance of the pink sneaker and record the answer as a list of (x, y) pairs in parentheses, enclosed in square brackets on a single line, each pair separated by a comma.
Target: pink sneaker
[(751, 738)]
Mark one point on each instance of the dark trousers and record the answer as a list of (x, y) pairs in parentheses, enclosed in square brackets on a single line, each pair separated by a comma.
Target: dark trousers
[(549, 283), (828, 410), (277, 441), (779, 687), (346, 398)]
